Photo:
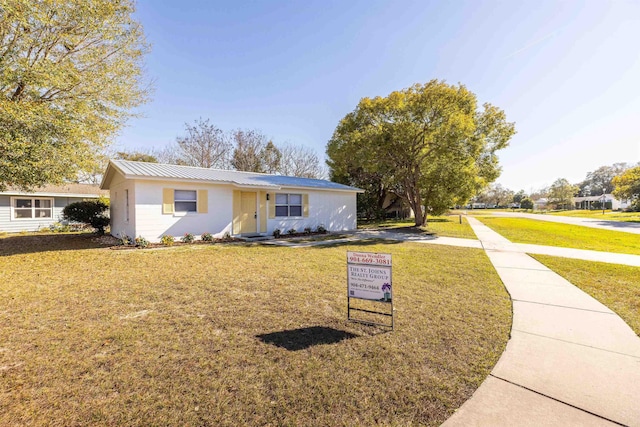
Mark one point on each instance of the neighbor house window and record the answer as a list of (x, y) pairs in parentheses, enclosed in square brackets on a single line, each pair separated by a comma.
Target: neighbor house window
[(288, 204), (30, 208), (185, 201)]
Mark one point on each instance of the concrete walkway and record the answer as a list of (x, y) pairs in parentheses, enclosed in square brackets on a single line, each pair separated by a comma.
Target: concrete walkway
[(602, 223), (570, 360)]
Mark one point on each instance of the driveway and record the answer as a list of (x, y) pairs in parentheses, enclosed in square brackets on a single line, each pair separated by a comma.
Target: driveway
[(627, 227)]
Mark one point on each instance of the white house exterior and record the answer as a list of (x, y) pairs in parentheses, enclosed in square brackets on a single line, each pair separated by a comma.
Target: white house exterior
[(588, 202), (38, 209), (152, 200)]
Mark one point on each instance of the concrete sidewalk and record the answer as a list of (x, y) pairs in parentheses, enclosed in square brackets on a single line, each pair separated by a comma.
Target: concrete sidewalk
[(570, 360)]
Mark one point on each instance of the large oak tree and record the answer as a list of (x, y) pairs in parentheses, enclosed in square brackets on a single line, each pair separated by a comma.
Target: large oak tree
[(429, 144), (70, 75)]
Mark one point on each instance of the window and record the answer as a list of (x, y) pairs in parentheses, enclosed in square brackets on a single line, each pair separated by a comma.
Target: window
[(28, 208), (185, 201), (288, 204)]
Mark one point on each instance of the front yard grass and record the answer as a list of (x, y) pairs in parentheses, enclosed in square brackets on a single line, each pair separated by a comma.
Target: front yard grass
[(523, 230), (597, 214), (616, 286), (238, 334), (445, 226)]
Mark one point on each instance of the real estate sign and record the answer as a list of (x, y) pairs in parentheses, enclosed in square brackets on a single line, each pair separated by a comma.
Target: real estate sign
[(369, 276)]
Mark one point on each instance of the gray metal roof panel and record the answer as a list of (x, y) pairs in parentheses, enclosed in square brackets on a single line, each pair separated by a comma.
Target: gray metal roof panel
[(159, 170)]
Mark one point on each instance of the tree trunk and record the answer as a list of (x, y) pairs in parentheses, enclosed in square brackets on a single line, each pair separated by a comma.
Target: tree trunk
[(416, 204)]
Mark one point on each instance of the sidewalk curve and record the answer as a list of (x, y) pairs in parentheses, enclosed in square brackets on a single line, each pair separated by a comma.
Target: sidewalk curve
[(570, 359)]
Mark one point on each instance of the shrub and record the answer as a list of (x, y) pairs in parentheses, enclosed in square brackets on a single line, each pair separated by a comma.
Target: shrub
[(187, 238), (206, 237), (167, 240), (58, 227), (291, 231), (141, 242), (526, 203), (227, 237), (307, 230), (124, 240), (277, 233), (320, 229), (92, 212)]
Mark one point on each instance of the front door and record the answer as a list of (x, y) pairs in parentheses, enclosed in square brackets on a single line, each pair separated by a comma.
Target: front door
[(248, 212)]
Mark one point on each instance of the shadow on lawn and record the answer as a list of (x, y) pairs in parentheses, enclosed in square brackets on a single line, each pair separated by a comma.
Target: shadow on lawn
[(36, 243), (359, 242), (300, 339)]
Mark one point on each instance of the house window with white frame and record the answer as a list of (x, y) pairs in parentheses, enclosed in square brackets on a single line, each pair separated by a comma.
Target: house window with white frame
[(32, 208), (185, 200), (288, 205)]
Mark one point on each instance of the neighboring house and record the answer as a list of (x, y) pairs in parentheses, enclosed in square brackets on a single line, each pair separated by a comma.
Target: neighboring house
[(540, 204), (595, 202), (395, 207), (32, 211), (151, 200)]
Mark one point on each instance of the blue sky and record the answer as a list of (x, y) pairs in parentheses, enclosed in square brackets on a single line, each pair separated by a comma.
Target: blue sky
[(567, 72)]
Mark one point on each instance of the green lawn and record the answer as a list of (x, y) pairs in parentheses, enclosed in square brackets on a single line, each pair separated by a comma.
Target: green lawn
[(522, 230), (237, 334), (445, 226), (616, 286), (597, 214)]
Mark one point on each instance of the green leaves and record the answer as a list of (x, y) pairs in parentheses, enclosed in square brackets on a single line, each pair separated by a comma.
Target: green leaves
[(429, 144), (627, 186), (561, 193), (69, 74)]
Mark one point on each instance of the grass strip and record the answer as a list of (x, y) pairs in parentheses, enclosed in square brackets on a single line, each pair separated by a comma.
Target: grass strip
[(616, 286), (523, 230), (238, 334), (597, 214), (444, 226)]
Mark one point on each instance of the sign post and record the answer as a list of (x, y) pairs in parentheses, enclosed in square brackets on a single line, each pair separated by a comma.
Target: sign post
[(369, 278)]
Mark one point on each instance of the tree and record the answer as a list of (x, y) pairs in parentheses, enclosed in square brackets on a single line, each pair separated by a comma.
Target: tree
[(136, 156), (526, 203), (561, 193), (539, 194), (495, 195), (92, 212), (627, 186), (271, 158), (249, 151), (600, 179), (519, 196), (298, 160), (430, 142), (70, 74), (204, 145)]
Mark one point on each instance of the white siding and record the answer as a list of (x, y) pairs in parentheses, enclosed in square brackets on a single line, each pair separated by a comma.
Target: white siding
[(151, 223), (335, 211), (117, 193)]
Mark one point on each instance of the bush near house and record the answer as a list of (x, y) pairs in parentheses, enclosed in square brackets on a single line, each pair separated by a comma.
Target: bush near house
[(92, 212)]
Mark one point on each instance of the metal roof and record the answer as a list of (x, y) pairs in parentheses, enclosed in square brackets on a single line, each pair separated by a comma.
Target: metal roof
[(131, 169)]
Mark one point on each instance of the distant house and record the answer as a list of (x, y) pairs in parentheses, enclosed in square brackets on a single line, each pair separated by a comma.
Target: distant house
[(595, 202), (32, 211), (540, 204), (152, 200)]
